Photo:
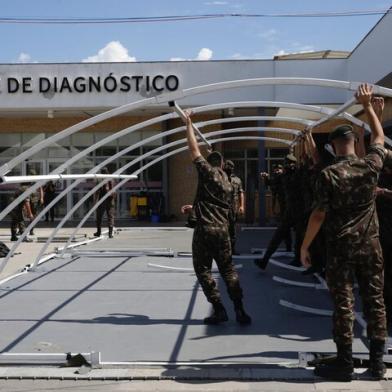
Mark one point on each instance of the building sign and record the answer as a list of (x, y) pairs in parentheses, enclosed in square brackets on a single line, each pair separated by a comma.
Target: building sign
[(111, 83)]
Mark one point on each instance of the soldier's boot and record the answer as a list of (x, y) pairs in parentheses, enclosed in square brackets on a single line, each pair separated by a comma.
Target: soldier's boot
[(98, 232), (110, 232), (377, 366), (240, 315), (32, 232), (13, 236), (340, 368), (262, 263), (218, 316)]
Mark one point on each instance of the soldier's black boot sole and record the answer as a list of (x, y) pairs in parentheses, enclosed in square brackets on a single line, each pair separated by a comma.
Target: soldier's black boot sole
[(334, 372), (242, 318), (377, 368), (262, 264)]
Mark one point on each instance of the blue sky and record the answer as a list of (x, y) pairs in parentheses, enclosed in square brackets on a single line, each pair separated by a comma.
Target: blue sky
[(217, 39)]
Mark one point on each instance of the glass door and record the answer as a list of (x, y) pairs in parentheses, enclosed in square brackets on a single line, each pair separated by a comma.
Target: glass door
[(64, 203)]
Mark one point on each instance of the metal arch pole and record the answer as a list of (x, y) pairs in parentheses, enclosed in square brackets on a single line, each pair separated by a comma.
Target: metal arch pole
[(113, 137), (127, 131), (140, 158), (164, 98), (200, 109), (118, 134), (335, 113), (57, 177), (153, 163)]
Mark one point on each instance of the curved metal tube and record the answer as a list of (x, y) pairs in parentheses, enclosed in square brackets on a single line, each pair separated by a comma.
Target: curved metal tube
[(158, 119), (141, 158), (100, 201), (164, 98), (113, 137)]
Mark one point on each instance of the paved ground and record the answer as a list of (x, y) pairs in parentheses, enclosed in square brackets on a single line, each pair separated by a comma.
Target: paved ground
[(137, 310)]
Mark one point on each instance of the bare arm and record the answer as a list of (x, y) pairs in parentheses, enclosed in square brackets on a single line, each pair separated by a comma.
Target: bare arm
[(360, 146), (316, 220), (312, 148), (191, 138), (242, 203), (364, 97)]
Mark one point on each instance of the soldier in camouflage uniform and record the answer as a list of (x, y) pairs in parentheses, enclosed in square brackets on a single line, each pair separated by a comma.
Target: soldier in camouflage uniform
[(384, 212), (293, 215), (345, 201), (18, 214), (275, 182), (211, 239), (238, 201), (107, 206)]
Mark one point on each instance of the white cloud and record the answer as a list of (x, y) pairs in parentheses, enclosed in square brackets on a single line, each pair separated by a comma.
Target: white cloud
[(114, 51), (203, 55), (216, 3), (24, 58)]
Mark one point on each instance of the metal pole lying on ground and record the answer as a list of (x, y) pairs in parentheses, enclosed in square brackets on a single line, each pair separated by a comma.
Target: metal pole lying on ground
[(57, 177), (182, 115)]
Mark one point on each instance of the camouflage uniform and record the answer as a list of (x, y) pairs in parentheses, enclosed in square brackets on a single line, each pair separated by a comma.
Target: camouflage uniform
[(107, 206), (278, 194), (384, 212), (346, 192), (292, 217), (236, 184), (211, 238), (17, 217)]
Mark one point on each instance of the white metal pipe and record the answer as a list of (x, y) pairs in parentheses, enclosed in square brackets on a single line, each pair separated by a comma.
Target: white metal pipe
[(139, 159), (164, 98), (200, 109), (100, 201), (57, 177), (335, 113), (182, 115)]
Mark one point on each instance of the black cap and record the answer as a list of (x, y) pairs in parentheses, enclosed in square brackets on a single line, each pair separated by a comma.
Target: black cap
[(342, 131)]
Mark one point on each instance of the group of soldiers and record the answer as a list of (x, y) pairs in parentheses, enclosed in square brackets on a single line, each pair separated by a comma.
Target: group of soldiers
[(30, 207), (27, 210), (331, 208)]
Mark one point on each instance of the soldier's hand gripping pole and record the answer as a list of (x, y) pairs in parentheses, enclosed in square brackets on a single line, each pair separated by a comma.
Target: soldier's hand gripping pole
[(197, 131)]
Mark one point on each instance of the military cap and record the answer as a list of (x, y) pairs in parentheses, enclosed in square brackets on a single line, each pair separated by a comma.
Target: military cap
[(290, 158), (215, 158), (230, 164), (342, 131)]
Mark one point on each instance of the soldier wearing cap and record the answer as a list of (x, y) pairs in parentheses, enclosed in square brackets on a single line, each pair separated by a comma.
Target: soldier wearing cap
[(237, 206), (345, 204), (293, 212), (211, 239), (18, 214)]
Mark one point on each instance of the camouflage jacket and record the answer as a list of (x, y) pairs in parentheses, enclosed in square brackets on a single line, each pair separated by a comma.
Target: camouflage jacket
[(236, 184), (346, 191), (213, 196)]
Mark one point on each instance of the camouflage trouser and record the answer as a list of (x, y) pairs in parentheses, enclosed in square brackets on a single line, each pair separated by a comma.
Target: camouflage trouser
[(366, 264), (35, 207), (17, 222), (214, 243), (386, 245), (283, 231), (232, 222), (109, 209)]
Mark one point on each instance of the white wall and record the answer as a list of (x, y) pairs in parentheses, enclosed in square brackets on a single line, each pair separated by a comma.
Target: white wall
[(190, 74), (372, 59)]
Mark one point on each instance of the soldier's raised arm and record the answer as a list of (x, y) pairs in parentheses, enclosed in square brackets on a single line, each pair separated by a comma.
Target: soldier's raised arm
[(364, 96), (193, 145)]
